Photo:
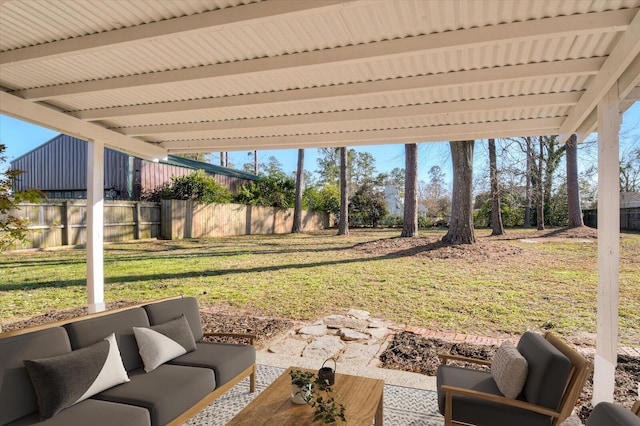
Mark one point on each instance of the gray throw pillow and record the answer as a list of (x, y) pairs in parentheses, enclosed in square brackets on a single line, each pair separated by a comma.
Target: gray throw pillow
[(164, 342), (509, 370), (64, 380)]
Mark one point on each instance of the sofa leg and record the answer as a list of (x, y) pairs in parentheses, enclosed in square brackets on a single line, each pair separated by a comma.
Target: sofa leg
[(252, 380)]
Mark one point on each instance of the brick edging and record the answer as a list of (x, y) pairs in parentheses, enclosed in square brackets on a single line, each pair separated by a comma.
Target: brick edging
[(492, 341)]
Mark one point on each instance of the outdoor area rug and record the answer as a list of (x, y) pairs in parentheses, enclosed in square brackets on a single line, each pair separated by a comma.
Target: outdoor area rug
[(402, 406)]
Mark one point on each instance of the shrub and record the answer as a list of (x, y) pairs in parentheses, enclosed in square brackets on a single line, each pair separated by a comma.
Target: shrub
[(197, 187), (271, 191)]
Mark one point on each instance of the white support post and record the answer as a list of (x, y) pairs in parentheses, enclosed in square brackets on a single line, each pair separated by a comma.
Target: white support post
[(608, 246), (95, 226)]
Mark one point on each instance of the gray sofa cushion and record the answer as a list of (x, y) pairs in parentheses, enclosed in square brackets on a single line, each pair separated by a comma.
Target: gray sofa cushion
[(166, 392), (227, 360), (476, 411), (168, 310), (93, 412), (17, 396), (548, 371), (608, 414), (87, 332)]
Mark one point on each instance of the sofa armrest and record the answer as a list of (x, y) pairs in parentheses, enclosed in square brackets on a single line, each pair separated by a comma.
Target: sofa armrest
[(249, 336), (444, 358), (452, 390)]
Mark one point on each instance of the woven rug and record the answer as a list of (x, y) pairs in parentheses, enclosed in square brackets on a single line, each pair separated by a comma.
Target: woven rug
[(402, 406)]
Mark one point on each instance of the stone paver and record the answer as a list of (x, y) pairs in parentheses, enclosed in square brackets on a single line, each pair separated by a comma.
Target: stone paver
[(350, 335), (324, 347)]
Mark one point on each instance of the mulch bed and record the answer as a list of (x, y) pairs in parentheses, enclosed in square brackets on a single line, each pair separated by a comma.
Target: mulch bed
[(410, 352)]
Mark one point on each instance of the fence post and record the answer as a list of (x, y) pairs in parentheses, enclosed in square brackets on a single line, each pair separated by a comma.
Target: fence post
[(66, 223), (136, 221)]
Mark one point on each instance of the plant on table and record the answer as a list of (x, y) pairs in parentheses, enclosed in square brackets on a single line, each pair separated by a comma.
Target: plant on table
[(320, 396)]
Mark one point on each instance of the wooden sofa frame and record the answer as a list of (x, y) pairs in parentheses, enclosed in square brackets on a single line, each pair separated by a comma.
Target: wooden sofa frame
[(580, 370), (200, 405)]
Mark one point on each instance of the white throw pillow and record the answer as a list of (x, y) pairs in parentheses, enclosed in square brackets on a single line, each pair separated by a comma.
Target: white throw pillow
[(164, 342), (509, 370)]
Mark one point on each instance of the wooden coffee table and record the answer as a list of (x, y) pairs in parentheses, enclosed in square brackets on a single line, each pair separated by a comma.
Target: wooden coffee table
[(361, 396)]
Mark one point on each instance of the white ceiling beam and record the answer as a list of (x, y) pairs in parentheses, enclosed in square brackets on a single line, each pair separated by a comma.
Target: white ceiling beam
[(43, 116), (445, 108), (590, 23), (627, 83), (575, 67), (543, 126), (624, 53), (154, 31)]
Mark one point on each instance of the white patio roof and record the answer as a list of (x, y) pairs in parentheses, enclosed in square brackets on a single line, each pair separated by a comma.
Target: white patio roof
[(151, 77)]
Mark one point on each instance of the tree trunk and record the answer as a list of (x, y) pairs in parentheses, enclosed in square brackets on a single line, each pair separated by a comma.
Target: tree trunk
[(461, 223), (540, 187), (297, 211), (255, 162), (410, 221), (222, 158), (573, 187), (527, 194), (343, 227), (496, 214)]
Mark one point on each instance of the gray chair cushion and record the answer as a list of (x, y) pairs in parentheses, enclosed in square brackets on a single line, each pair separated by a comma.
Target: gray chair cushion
[(87, 332), (227, 360), (168, 310), (94, 413), (608, 414), (548, 371), (476, 411), (17, 396), (166, 392)]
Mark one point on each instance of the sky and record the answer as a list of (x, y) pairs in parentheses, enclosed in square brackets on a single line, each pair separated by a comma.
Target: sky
[(21, 137)]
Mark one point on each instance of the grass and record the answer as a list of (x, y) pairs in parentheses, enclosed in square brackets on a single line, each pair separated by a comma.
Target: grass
[(551, 285)]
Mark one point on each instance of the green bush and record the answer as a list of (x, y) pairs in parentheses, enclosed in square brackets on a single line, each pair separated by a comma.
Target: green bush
[(326, 199), (197, 187), (270, 191)]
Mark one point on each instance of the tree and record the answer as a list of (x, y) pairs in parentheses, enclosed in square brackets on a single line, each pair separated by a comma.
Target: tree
[(368, 206), (343, 226), (630, 170), (461, 224), (540, 187), (434, 197), (325, 199), (252, 166), (410, 221), (13, 228), (573, 186), (496, 211), (273, 167), (328, 166), (528, 176), (297, 212)]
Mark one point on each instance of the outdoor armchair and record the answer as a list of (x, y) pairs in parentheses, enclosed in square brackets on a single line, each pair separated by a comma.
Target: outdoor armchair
[(554, 375), (608, 414)]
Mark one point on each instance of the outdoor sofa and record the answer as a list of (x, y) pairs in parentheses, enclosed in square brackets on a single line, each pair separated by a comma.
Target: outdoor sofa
[(46, 372)]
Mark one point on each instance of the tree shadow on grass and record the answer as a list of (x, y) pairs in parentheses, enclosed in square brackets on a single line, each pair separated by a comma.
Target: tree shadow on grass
[(220, 272)]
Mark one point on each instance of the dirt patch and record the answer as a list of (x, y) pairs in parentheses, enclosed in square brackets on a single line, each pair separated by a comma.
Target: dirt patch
[(432, 248), (410, 352), (486, 249), (214, 320)]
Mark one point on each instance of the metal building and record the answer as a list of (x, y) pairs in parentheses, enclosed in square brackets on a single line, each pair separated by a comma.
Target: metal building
[(59, 169)]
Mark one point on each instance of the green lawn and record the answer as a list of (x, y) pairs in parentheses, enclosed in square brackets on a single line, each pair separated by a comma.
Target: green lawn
[(551, 284)]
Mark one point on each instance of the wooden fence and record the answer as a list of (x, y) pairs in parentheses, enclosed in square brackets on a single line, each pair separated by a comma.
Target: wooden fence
[(64, 223), (629, 218), (186, 219)]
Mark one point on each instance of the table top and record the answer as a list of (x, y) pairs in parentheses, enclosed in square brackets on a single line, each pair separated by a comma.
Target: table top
[(360, 396)]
